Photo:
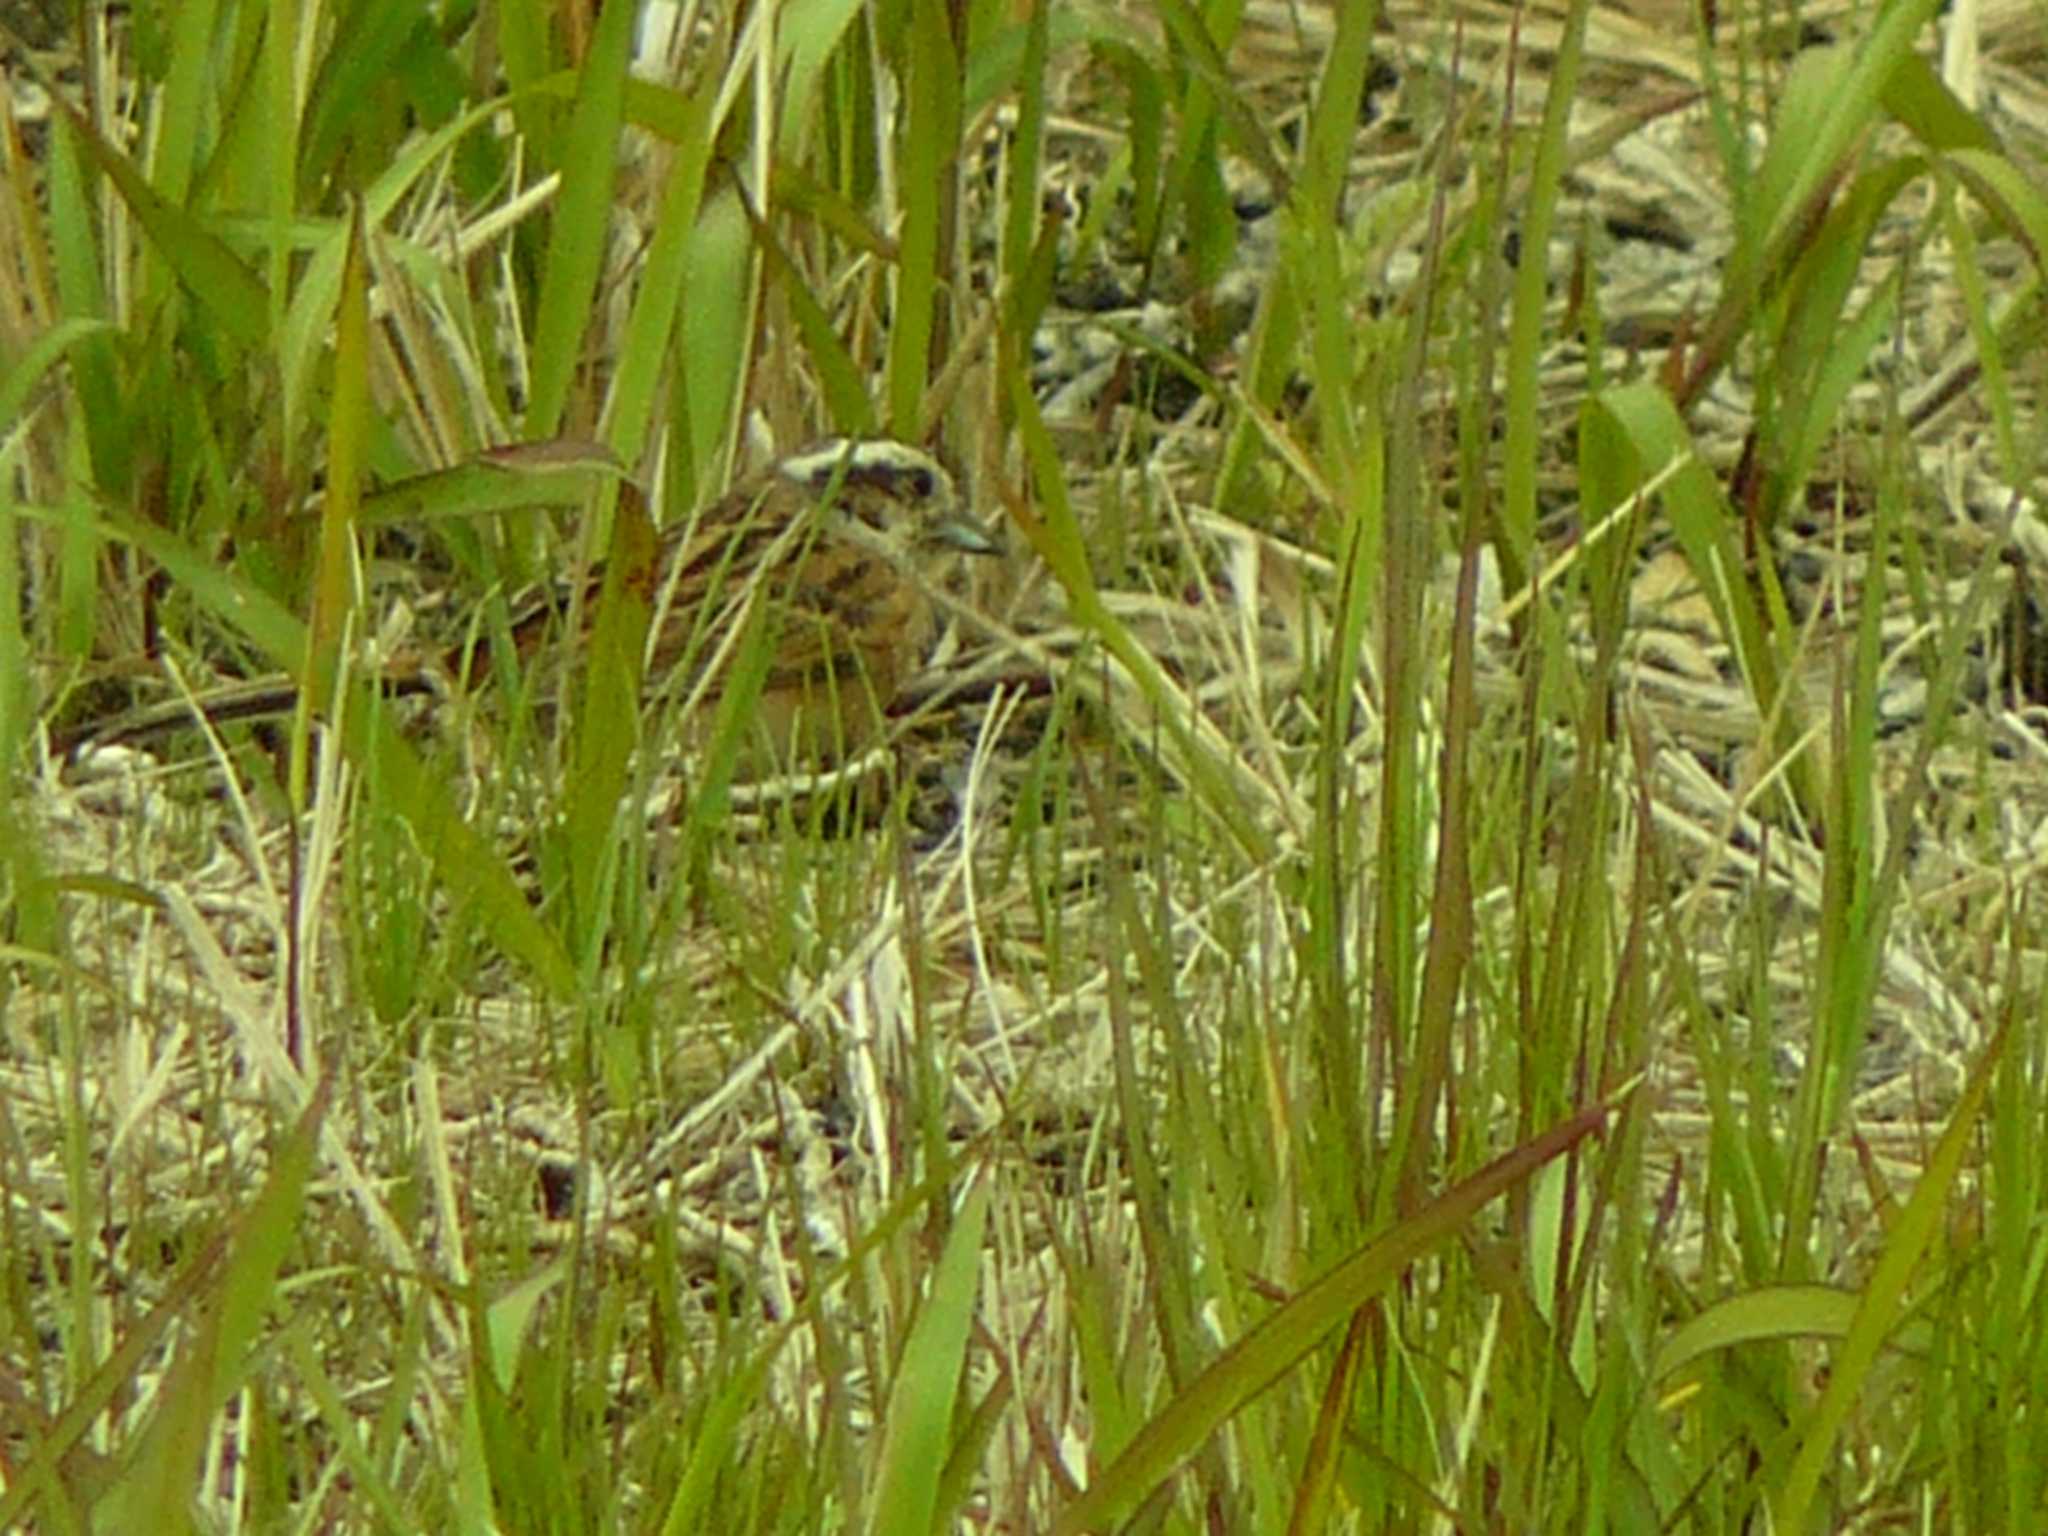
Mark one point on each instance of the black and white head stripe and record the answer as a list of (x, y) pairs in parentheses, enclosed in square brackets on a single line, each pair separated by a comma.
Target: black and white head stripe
[(894, 469)]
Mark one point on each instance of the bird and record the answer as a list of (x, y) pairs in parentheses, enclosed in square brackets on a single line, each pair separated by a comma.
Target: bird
[(837, 553)]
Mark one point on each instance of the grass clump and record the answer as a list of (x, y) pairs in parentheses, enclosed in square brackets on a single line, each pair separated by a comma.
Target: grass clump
[(1446, 943)]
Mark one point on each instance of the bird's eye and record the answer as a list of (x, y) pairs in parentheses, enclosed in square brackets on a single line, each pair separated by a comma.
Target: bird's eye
[(921, 485)]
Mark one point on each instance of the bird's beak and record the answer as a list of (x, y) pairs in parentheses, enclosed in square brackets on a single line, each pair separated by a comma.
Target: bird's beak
[(958, 531)]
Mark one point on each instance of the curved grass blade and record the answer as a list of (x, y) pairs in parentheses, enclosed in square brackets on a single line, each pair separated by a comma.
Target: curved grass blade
[(1280, 1343)]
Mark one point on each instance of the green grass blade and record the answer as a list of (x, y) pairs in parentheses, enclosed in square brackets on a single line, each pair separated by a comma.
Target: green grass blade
[(524, 478), (301, 344), (1883, 1299), (157, 1492), (582, 225), (218, 281), (647, 345), (917, 1425), (931, 134), (457, 853), (1280, 1342), (1520, 428), (713, 342), (608, 725)]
